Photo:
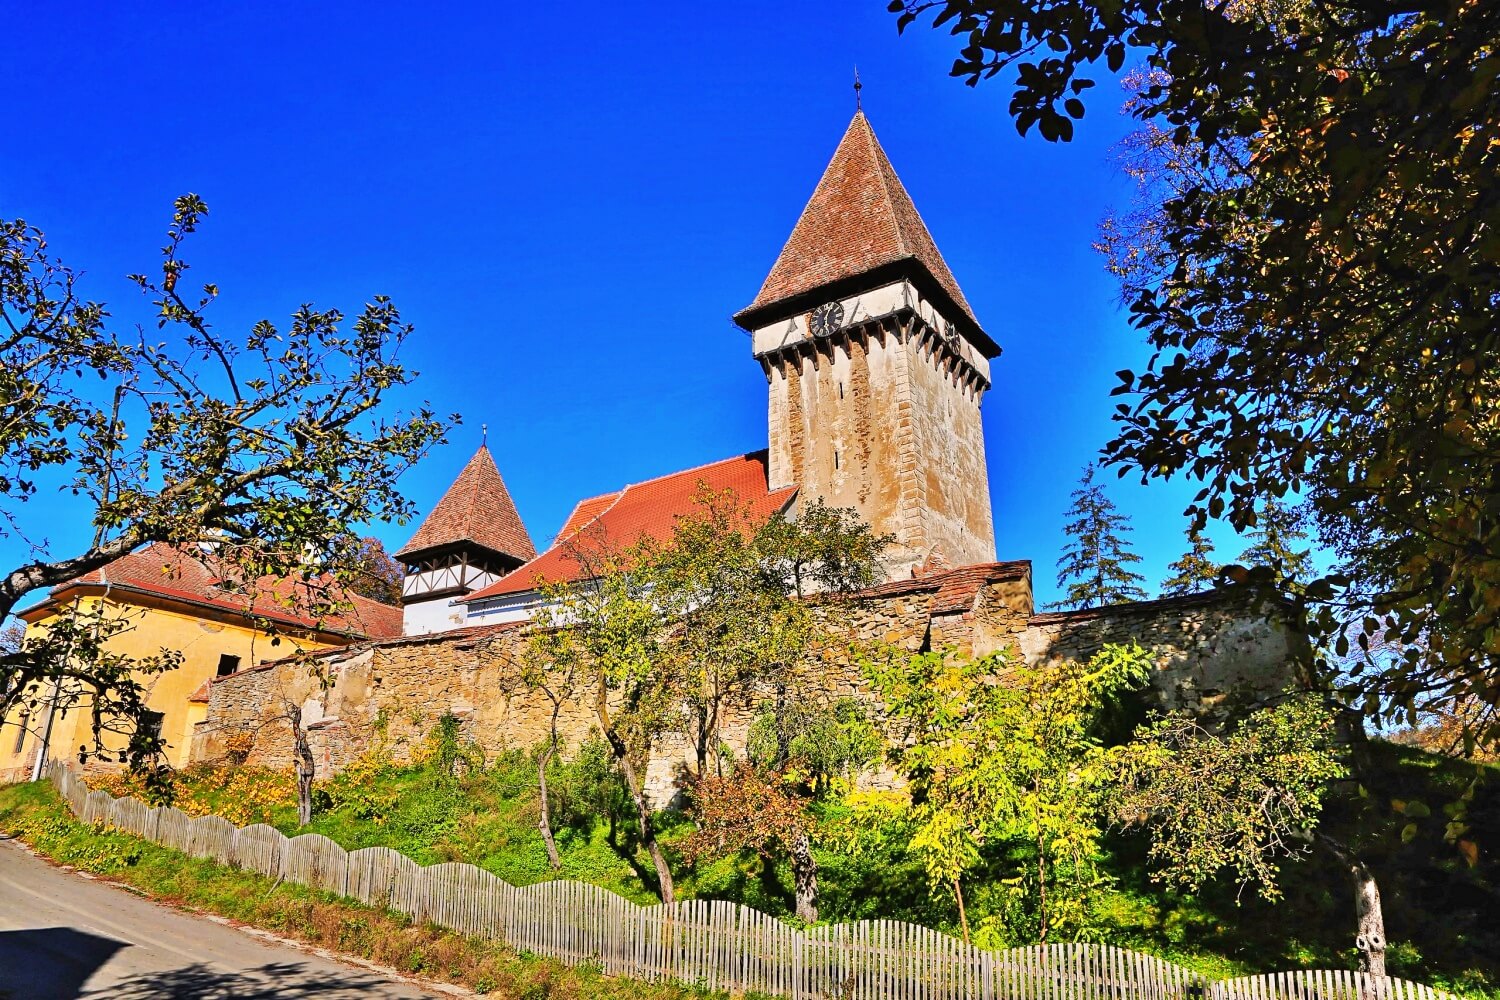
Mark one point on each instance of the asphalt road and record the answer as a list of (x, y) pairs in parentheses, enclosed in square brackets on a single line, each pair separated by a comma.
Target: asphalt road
[(65, 936)]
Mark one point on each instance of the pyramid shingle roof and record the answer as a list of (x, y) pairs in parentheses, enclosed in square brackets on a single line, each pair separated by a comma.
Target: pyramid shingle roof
[(859, 220), (477, 510)]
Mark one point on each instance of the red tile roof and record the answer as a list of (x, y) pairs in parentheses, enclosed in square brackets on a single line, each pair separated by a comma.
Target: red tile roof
[(191, 577), (477, 510), (648, 510), (585, 512), (466, 637), (952, 590), (859, 218)]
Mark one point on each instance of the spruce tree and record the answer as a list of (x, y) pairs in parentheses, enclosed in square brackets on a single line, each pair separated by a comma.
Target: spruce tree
[(1273, 542), (1196, 571), (1095, 564)]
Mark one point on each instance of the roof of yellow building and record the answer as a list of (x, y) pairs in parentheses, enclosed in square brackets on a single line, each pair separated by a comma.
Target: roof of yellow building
[(195, 578)]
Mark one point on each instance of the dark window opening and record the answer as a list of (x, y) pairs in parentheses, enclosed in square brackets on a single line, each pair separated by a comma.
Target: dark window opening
[(228, 665), (841, 390), (835, 460), (21, 731), (151, 724)]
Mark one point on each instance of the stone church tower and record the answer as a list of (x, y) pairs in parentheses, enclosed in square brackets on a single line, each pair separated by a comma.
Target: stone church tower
[(876, 366)]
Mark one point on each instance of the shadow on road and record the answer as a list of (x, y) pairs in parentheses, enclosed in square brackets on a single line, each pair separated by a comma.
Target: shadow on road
[(50, 961), (274, 981), (54, 963)]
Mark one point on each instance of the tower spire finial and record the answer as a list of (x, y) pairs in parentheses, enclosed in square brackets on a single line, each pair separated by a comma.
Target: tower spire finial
[(858, 104), (484, 435)]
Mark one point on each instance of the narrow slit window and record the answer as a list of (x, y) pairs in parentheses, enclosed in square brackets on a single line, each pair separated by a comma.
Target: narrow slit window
[(21, 731)]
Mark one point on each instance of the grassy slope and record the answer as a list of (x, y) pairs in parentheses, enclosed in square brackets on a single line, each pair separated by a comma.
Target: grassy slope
[(37, 815), (1439, 911)]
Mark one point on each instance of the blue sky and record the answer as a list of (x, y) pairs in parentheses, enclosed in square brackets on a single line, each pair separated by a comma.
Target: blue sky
[(569, 208)]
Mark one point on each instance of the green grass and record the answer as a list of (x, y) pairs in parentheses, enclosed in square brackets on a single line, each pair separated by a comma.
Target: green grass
[(34, 813)]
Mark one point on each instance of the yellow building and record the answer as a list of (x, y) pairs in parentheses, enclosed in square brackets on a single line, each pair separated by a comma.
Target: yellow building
[(170, 599)]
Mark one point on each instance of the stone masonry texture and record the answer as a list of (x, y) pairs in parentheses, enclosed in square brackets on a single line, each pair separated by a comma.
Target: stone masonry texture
[(1216, 654)]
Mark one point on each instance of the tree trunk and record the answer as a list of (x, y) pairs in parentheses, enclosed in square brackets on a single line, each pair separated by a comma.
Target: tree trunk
[(637, 794), (1041, 888), (544, 819), (305, 766), (963, 914), (648, 831), (805, 878), (1369, 918), (700, 743)]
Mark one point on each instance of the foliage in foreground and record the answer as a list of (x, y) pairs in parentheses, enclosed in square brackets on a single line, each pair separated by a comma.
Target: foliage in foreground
[(37, 816), (1436, 902), (1316, 268)]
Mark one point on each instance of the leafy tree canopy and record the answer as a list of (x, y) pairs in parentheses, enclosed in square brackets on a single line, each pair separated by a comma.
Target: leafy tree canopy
[(1234, 801), (996, 750), (1318, 273), (678, 629), (265, 447), (372, 571)]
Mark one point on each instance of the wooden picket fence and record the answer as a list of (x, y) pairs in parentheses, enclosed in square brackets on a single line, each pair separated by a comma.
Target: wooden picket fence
[(714, 943)]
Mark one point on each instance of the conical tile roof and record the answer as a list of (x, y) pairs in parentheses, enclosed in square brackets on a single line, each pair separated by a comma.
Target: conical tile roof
[(477, 510), (859, 219)]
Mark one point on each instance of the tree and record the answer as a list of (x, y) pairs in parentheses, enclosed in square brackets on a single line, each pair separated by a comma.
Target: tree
[(1095, 564), (798, 754), (607, 627), (734, 621), (547, 667), (71, 662), (1238, 801), (12, 637), (753, 810), (1320, 291), (1446, 732), (1273, 540), (994, 750), (819, 743), (373, 573), (734, 591), (679, 629), (822, 549), (1196, 570), (266, 446), (303, 763)]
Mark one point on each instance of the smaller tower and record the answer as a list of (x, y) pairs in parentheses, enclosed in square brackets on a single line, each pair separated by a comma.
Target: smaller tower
[(472, 538)]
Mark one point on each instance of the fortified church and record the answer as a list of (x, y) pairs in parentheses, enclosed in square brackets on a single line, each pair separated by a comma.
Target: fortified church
[(876, 368)]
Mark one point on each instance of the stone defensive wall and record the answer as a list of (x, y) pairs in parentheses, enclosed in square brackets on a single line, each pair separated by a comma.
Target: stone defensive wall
[(1217, 653)]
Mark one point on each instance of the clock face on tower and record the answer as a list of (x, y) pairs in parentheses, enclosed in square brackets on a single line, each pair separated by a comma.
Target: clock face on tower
[(826, 320)]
